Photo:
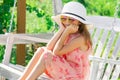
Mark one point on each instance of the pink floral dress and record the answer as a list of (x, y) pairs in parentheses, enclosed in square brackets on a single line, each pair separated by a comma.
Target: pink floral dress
[(71, 66)]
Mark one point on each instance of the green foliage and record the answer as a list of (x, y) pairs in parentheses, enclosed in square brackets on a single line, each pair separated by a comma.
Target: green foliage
[(5, 15), (2, 49), (13, 55), (103, 8), (39, 16), (99, 7)]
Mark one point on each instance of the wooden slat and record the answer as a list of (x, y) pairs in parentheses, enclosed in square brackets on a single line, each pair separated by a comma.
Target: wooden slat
[(105, 55), (109, 44), (96, 38), (13, 72), (101, 43), (8, 50), (94, 64), (100, 38), (9, 73), (100, 48), (110, 67), (116, 72), (94, 69), (103, 22), (44, 37), (98, 60), (101, 60)]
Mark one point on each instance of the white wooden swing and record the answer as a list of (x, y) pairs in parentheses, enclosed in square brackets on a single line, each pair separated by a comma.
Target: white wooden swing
[(105, 62)]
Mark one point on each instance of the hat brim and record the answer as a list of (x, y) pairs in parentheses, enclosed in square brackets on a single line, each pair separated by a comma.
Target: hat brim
[(58, 21), (79, 19)]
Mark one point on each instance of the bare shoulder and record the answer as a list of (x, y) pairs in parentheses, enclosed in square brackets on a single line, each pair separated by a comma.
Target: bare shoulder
[(82, 42), (78, 41)]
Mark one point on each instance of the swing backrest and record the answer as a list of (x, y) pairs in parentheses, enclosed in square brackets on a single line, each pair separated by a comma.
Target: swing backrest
[(105, 61)]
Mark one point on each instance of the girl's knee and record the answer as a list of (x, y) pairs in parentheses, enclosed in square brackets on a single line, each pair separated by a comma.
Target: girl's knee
[(48, 54), (44, 53), (39, 50)]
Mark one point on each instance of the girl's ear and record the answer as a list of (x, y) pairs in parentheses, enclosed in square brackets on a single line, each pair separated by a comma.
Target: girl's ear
[(57, 19)]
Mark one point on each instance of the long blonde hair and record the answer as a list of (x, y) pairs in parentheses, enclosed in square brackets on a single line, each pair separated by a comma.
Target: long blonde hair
[(85, 33)]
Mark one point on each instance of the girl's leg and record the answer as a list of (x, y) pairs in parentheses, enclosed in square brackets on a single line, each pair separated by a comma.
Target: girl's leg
[(32, 63), (40, 66)]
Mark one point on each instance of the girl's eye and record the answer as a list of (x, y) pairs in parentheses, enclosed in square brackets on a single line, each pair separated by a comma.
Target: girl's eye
[(71, 19), (63, 19)]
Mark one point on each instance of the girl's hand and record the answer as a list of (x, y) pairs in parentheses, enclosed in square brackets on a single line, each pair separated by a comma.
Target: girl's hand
[(72, 29), (61, 28)]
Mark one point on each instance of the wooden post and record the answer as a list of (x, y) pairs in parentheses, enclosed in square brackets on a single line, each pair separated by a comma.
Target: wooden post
[(21, 21)]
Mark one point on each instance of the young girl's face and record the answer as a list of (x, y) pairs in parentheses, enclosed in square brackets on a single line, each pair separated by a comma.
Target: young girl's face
[(66, 21)]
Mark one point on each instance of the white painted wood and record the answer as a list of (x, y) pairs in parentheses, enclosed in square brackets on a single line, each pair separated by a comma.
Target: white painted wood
[(101, 43), (101, 60), (94, 64), (100, 38), (8, 49), (94, 69), (116, 72), (9, 73), (105, 55), (109, 44), (17, 67), (110, 67), (97, 60), (104, 22), (26, 39), (95, 38), (38, 38), (98, 69)]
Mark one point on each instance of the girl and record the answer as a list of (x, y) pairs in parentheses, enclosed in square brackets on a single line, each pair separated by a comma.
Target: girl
[(66, 55)]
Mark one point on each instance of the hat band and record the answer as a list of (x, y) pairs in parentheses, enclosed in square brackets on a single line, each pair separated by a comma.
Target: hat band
[(75, 15)]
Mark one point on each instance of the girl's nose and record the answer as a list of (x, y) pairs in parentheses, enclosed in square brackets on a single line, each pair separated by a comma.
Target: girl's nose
[(67, 22)]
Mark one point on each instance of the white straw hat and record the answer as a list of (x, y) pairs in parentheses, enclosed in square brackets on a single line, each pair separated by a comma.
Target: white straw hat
[(75, 10)]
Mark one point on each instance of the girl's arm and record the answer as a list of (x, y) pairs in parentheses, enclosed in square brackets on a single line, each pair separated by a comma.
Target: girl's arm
[(79, 42), (54, 39)]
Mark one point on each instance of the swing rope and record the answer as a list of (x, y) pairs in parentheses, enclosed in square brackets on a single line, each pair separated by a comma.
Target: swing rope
[(12, 17), (115, 25)]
